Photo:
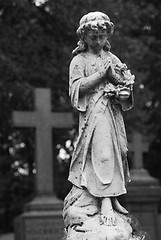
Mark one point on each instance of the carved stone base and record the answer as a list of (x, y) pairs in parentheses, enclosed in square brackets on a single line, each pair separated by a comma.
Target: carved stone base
[(127, 228), (92, 230), (82, 220)]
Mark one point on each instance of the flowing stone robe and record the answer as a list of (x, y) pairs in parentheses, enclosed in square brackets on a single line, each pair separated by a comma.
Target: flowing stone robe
[(99, 161)]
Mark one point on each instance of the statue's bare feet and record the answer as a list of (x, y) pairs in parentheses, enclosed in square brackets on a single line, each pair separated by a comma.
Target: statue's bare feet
[(107, 213), (117, 206)]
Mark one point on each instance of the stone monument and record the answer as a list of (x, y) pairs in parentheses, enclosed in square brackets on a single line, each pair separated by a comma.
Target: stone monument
[(42, 219), (100, 87), (144, 191)]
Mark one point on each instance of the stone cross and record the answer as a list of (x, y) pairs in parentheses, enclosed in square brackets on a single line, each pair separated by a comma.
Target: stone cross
[(43, 120), (138, 147)]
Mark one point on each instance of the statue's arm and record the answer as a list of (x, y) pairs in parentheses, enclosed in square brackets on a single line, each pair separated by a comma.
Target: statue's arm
[(114, 77), (119, 73), (90, 82)]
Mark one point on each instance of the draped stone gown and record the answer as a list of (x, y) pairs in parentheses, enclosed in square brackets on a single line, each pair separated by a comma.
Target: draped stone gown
[(99, 162)]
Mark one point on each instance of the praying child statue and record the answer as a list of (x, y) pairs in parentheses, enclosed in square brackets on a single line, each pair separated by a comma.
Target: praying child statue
[(100, 88)]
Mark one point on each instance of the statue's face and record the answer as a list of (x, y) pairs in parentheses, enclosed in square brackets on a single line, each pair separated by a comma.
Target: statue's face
[(96, 40)]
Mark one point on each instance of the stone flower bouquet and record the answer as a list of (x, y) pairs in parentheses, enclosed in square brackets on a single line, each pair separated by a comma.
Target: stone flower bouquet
[(122, 82)]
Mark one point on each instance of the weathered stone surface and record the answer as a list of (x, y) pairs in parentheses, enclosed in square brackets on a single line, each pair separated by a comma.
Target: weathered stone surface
[(43, 120), (39, 225), (42, 219), (92, 230), (142, 201), (82, 219), (100, 87)]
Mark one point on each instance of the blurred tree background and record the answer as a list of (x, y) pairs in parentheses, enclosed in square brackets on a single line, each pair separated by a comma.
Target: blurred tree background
[(36, 41)]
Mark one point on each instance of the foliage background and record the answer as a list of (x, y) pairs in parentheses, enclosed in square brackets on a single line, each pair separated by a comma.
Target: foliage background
[(35, 51)]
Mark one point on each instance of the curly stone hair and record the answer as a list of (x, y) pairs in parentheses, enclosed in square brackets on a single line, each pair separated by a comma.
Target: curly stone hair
[(93, 21)]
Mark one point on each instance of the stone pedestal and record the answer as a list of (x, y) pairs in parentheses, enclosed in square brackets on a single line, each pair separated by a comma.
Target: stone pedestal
[(142, 201), (42, 220)]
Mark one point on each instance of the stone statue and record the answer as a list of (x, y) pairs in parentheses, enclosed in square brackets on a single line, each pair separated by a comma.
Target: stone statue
[(100, 88)]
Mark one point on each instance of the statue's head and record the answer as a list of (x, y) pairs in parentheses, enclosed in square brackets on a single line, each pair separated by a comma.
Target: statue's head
[(93, 21)]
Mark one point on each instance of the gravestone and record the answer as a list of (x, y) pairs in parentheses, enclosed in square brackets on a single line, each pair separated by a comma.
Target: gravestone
[(42, 219), (139, 146), (144, 191)]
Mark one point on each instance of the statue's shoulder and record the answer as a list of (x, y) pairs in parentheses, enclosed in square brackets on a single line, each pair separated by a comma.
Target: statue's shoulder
[(79, 56), (115, 59), (79, 59)]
